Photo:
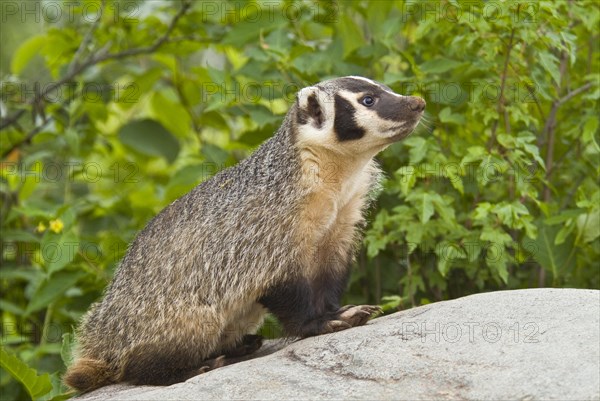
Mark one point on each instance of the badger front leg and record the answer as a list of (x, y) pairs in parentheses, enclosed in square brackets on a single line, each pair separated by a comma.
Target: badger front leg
[(311, 307)]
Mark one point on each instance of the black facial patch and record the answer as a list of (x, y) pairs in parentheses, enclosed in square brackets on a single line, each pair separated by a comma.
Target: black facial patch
[(312, 112), (393, 108), (388, 107), (344, 125), (302, 116)]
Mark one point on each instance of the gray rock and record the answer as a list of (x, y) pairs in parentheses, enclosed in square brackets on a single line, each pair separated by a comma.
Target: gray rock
[(536, 344)]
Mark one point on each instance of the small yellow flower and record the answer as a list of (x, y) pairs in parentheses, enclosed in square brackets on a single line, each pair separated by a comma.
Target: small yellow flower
[(41, 227), (56, 225)]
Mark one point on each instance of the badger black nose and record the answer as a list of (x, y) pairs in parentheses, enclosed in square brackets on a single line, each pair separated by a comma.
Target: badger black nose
[(416, 103)]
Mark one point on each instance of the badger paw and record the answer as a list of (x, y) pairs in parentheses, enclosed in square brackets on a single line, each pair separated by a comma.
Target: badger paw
[(357, 315), (250, 343), (212, 364), (332, 326)]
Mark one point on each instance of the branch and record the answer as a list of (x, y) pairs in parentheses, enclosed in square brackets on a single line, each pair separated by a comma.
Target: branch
[(101, 56), (551, 123), (502, 100), (186, 105), (530, 91), (86, 40), (149, 49), (557, 103), (574, 93), (27, 138)]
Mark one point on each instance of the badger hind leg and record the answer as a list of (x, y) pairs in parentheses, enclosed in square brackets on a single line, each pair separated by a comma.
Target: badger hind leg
[(250, 343), (238, 338), (160, 365), (88, 374), (212, 364)]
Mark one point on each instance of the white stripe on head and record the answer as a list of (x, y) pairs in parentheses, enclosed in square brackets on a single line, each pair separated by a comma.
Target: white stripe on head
[(364, 79), (376, 84)]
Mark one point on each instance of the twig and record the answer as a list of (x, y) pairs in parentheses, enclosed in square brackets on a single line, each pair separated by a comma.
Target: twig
[(101, 56), (572, 191), (551, 124), (574, 93), (184, 102), (536, 100), (86, 40), (549, 133), (410, 272), (549, 130), (27, 138), (502, 100)]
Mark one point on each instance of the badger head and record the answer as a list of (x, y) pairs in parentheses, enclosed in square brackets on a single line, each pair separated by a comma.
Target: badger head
[(354, 115)]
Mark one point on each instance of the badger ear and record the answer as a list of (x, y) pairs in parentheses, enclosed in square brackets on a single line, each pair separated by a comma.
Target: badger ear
[(310, 109)]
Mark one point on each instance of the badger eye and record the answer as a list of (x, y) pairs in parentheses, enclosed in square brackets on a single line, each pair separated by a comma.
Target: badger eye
[(368, 101)]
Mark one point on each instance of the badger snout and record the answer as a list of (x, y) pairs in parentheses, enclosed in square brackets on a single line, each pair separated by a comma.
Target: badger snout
[(415, 103)]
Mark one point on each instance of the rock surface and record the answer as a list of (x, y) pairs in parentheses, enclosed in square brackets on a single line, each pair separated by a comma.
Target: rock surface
[(536, 344)]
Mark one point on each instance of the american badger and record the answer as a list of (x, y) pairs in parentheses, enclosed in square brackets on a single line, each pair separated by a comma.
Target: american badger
[(275, 233)]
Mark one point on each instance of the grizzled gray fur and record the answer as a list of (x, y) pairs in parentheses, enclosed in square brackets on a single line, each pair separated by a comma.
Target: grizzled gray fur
[(275, 233)]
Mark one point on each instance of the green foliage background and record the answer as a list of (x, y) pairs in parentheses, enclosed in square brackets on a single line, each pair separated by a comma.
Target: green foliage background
[(106, 120)]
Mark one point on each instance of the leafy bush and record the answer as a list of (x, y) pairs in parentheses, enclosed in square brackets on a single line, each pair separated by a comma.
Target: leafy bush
[(111, 110)]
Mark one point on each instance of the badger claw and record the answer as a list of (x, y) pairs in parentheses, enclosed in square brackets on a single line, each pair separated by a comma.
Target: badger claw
[(212, 364), (335, 325), (357, 315)]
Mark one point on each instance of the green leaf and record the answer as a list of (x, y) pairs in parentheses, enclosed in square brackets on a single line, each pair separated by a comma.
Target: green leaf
[(549, 255), (350, 33), (214, 154), (35, 385), (418, 148), (188, 177), (407, 175), (496, 236), (66, 349), (26, 52), (427, 210), (444, 209), (11, 307), (439, 65), (424, 205), (498, 264), (256, 137), (53, 288), (58, 250), (564, 233), (390, 302), (262, 116), (482, 211), (446, 116), (59, 391), (563, 216), (151, 138), (589, 226), (453, 175), (171, 113), (257, 23), (447, 254), (589, 130), (19, 235), (414, 234), (550, 64)]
